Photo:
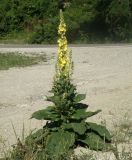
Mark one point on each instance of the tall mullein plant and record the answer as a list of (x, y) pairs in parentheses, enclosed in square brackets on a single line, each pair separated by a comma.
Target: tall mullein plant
[(66, 126)]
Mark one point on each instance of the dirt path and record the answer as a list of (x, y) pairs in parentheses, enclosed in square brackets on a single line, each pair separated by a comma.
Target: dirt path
[(104, 73)]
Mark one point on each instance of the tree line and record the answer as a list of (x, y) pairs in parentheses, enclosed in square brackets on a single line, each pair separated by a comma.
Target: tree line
[(88, 21)]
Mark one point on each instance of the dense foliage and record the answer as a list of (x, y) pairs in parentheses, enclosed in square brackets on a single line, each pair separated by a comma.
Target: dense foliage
[(89, 20)]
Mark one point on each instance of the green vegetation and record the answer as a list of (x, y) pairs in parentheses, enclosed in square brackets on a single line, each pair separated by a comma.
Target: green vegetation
[(89, 21), (20, 37), (8, 60)]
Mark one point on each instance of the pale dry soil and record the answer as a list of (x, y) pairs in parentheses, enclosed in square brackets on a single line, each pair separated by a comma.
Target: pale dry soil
[(104, 73)]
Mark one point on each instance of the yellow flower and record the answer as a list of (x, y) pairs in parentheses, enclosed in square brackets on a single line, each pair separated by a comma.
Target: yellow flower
[(65, 48), (62, 29)]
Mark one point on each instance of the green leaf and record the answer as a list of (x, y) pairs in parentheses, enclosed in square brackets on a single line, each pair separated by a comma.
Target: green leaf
[(90, 114), (101, 130), (46, 114), (38, 137), (80, 97), (79, 128), (94, 141), (59, 142), (54, 99), (82, 114)]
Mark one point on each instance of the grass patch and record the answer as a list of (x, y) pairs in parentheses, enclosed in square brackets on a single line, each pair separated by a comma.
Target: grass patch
[(123, 130), (9, 60)]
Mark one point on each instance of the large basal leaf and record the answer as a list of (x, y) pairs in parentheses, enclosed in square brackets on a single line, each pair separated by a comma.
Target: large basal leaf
[(80, 97), (94, 141), (82, 114), (38, 137), (45, 114), (101, 130), (79, 128), (59, 142)]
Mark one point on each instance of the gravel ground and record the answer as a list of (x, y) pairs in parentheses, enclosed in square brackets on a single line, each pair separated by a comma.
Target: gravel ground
[(103, 72)]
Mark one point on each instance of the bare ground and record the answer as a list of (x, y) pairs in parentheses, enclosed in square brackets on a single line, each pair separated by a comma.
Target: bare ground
[(103, 72)]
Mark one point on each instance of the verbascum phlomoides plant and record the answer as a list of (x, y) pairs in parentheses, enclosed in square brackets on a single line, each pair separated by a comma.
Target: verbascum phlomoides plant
[(66, 126)]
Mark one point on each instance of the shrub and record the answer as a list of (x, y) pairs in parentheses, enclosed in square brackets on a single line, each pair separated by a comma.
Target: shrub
[(44, 34)]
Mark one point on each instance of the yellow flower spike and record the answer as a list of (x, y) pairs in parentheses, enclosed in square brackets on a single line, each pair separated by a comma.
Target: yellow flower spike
[(64, 64)]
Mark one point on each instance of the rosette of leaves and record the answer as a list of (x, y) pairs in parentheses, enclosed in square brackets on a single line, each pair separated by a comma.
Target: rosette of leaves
[(66, 126)]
